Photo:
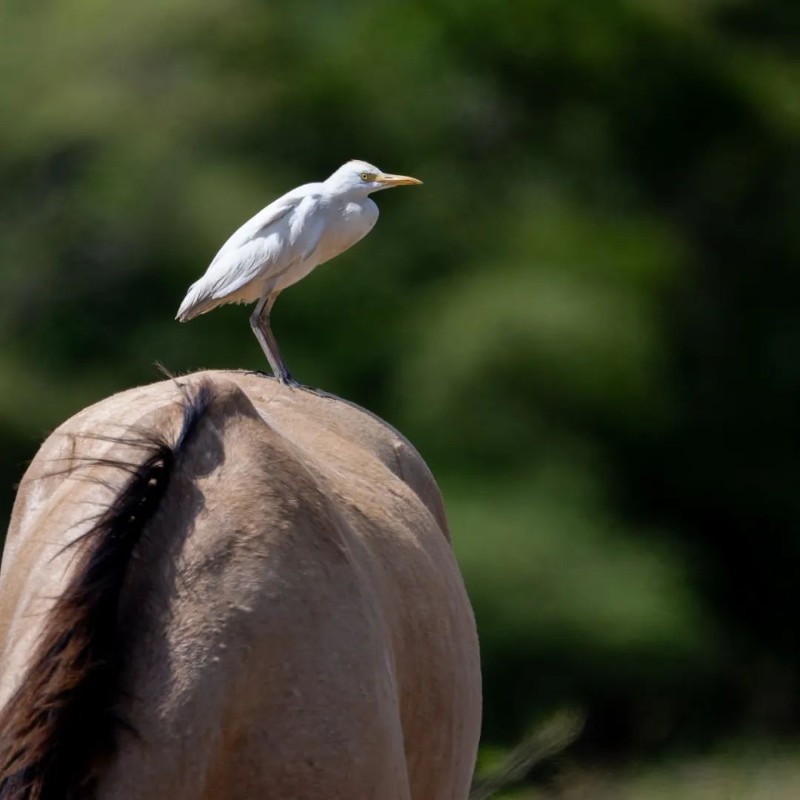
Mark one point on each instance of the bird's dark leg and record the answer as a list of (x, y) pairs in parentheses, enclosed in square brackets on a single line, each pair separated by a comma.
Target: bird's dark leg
[(259, 322)]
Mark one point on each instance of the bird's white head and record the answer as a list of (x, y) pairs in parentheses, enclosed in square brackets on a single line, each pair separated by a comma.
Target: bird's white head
[(361, 178)]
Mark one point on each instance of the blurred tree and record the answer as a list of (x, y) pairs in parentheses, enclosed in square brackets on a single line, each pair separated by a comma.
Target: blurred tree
[(586, 319)]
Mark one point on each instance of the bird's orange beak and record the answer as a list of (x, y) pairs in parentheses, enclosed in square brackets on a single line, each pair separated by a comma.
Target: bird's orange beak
[(396, 180)]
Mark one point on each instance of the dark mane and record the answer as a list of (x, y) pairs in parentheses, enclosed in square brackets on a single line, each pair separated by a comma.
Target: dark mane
[(59, 727)]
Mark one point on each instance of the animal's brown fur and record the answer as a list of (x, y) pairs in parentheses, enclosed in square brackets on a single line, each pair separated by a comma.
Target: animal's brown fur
[(290, 623), (60, 725)]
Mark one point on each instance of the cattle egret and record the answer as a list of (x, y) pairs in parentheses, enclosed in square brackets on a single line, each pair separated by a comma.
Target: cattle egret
[(285, 241)]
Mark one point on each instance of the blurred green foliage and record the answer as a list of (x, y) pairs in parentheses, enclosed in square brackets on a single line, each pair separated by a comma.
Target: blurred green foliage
[(735, 773), (587, 319)]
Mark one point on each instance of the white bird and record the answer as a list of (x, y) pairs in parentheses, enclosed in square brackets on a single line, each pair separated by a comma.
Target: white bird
[(285, 241)]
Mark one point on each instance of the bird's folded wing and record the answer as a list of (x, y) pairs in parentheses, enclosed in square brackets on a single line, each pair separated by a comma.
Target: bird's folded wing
[(250, 253), (259, 225), (283, 234)]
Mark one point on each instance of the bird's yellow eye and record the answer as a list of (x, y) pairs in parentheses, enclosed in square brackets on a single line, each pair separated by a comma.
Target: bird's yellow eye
[(367, 177)]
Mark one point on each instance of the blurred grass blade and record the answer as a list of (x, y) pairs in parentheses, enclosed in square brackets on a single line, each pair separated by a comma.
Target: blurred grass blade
[(547, 740)]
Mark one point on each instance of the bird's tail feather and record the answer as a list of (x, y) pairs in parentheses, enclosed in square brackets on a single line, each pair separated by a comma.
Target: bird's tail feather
[(194, 305)]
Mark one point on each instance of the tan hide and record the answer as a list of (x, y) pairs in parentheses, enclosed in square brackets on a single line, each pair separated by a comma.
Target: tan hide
[(294, 622)]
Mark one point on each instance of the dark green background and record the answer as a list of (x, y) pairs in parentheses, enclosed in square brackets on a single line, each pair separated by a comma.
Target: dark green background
[(586, 319)]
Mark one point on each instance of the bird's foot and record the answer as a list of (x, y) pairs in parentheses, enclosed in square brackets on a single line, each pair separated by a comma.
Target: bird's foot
[(283, 378), (287, 380)]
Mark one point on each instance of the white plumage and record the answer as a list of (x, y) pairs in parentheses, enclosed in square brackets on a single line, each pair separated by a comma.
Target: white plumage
[(285, 241)]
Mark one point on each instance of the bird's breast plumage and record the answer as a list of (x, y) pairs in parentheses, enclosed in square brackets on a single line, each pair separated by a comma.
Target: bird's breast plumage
[(348, 223)]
